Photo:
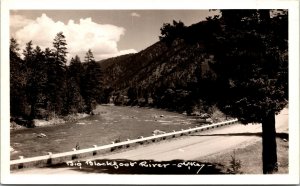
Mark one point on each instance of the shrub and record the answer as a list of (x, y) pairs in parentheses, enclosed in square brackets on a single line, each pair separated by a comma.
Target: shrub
[(235, 165)]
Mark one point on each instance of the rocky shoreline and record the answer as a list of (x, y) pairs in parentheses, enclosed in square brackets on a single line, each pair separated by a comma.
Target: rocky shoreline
[(21, 123)]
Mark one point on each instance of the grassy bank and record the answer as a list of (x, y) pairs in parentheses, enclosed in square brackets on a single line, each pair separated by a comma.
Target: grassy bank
[(250, 157)]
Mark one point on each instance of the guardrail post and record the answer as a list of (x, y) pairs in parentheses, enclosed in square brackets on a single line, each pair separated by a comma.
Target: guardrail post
[(21, 165), (49, 161), (127, 146), (181, 134), (173, 136), (94, 152), (112, 148), (74, 156), (141, 142)]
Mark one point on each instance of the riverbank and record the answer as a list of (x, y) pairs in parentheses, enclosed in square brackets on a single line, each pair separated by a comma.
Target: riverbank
[(53, 121), (216, 116), (56, 121)]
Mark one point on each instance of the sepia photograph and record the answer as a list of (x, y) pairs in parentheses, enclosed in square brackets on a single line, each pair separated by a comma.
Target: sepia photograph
[(103, 92)]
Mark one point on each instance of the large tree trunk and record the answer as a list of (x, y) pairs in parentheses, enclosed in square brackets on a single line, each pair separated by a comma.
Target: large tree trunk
[(269, 153)]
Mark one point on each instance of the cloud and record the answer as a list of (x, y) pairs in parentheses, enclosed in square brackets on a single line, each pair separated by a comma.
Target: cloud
[(18, 21), (122, 52), (102, 39), (134, 14)]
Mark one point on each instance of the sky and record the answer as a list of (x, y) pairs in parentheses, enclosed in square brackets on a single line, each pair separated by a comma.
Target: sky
[(108, 33)]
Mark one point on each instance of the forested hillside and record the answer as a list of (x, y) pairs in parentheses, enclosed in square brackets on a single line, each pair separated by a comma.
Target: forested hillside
[(174, 73)]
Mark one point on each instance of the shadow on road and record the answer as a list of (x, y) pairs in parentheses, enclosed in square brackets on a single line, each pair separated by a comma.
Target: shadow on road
[(124, 166), (281, 135)]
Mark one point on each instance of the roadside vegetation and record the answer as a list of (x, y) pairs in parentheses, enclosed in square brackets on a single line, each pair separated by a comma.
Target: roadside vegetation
[(247, 159)]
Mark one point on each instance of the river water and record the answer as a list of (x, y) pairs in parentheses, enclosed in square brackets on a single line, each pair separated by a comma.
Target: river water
[(113, 122)]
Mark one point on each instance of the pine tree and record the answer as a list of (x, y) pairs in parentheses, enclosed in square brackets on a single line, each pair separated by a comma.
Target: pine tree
[(60, 49), (18, 80), (252, 68), (92, 84), (56, 85), (28, 57), (28, 52), (37, 79), (75, 102), (76, 69)]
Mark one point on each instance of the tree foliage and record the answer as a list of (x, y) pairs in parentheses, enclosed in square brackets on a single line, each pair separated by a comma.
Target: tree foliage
[(60, 49), (250, 54), (92, 87), (75, 101), (37, 79), (169, 32), (18, 80), (56, 72), (253, 62), (252, 67), (42, 85)]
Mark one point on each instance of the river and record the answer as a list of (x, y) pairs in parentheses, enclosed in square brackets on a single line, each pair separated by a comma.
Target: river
[(113, 122)]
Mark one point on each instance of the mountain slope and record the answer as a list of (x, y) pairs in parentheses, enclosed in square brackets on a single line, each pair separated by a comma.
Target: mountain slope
[(162, 75)]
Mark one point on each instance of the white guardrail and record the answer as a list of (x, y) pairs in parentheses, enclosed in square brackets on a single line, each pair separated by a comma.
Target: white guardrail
[(52, 159)]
